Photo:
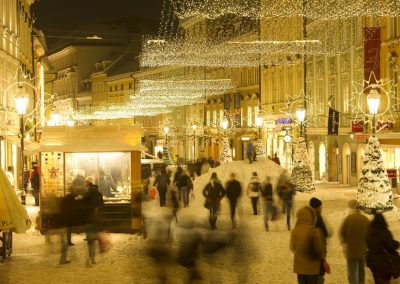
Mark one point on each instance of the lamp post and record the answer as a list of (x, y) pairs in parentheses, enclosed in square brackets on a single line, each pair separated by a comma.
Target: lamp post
[(373, 101), (301, 115), (259, 122), (194, 128), (21, 104)]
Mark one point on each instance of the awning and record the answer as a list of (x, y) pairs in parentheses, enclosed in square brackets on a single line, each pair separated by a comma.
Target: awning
[(13, 216)]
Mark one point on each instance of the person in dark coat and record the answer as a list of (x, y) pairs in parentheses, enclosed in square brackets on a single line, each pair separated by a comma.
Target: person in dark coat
[(380, 245), (185, 185), (267, 195), (213, 192), (35, 183), (276, 159), (175, 181), (249, 151), (90, 204), (233, 192), (106, 184), (316, 204), (70, 211), (286, 192), (162, 181)]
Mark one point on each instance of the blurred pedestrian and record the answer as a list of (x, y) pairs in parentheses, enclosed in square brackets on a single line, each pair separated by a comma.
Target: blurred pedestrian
[(35, 183), (213, 192), (233, 192), (254, 191), (286, 192), (276, 159), (175, 181), (316, 204), (306, 242), (382, 257), (269, 207), (249, 151), (353, 234), (90, 203), (162, 181), (185, 186), (106, 184)]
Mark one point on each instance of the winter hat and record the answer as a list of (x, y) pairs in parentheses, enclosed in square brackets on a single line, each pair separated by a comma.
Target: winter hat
[(315, 203), (90, 179)]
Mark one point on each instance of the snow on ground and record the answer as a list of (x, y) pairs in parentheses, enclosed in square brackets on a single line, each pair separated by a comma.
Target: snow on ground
[(254, 256)]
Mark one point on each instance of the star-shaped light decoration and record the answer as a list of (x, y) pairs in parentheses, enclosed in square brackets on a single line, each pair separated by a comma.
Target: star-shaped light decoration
[(166, 127), (358, 102), (226, 125), (302, 101), (194, 127)]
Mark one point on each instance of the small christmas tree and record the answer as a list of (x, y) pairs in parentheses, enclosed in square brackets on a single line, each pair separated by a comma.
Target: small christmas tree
[(302, 176), (260, 149), (166, 155), (225, 156), (374, 192)]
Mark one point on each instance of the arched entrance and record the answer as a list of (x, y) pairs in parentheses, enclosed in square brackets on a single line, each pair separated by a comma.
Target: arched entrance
[(346, 167), (322, 161), (360, 154), (311, 157)]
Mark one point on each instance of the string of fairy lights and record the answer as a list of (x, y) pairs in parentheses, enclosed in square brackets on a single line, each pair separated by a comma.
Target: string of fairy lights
[(313, 9)]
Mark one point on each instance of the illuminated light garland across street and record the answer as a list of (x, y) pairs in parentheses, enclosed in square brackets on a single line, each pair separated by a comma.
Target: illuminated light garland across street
[(313, 9), (205, 87)]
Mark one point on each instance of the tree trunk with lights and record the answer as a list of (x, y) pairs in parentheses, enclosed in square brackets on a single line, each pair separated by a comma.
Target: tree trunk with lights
[(374, 191), (302, 176), (225, 156)]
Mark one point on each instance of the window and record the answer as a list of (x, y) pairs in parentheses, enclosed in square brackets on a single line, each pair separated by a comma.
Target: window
[(250, 76), (346, 97), (249, 116), (130, 85), (241, 116), (215, 117), (221, 114), (122, 87), (110, 88), (393, 27), (115, 88), (208, 117), (257, 75)]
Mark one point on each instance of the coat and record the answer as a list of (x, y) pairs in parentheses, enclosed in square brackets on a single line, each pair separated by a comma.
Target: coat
[(380, 243), (233, 189), (254, 187), (90, 203), (213, 194), (306, 242), (353, 233)]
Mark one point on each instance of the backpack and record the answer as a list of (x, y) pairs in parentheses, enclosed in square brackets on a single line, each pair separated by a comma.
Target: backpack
[(255, 187)]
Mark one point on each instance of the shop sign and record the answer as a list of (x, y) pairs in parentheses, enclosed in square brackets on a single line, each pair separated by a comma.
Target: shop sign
[(357, 126), (384, 125), (392, 173), (285, 120), (361, 136), (269, 124), (236, 104)]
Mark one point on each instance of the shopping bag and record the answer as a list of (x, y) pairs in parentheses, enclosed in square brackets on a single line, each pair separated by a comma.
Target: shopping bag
[(104, 242), (153, 193)]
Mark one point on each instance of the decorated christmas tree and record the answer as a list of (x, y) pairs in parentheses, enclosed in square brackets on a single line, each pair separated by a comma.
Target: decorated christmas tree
[(260, 149), (374, 191), (166, 156), (302, 176), (225, 156)]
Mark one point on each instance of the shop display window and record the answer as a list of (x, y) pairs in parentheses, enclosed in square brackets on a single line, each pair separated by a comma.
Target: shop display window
[(111, 172)]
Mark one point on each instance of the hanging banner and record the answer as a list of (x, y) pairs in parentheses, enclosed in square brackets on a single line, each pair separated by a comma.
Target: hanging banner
[(227, 103), (333, 122), (357, 126), (372, 50), (238, 115)]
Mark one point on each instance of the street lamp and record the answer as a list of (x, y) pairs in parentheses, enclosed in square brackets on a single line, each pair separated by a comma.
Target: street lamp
[(21, 104), (301, 115), (224, 124), (373, 100), (259, 123), (194, 128)]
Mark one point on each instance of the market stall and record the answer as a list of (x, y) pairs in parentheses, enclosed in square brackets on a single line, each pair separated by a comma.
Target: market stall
[(111, 155)]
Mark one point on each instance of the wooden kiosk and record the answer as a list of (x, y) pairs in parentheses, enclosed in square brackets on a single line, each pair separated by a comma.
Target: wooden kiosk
[(68, 155)]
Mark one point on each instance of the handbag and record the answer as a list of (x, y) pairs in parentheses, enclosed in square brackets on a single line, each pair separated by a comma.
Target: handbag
[(394, 264)]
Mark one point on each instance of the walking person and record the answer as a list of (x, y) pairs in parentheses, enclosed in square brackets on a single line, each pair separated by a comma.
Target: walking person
[(162, 181), (316, 204), (35, 183), (254, 191), (213, 193), (287, 192), (177, 174), (185, 186), (382, 251), (233, 192), (353, 234), (306, 242), (267, 195), (90, 203), (249, 151)]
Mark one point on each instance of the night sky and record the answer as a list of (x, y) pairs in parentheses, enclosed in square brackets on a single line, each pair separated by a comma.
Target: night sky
[(54, 16)]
